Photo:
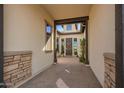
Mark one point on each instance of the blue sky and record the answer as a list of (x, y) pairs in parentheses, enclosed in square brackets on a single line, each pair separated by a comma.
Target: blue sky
[(48, 29), (60, 28), (78, 26)]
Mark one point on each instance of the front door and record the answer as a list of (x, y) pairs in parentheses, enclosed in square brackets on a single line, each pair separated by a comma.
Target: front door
[(68, 46)]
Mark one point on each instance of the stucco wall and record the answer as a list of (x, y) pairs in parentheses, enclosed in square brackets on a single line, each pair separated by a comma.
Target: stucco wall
[(101, 37), (24, 29)]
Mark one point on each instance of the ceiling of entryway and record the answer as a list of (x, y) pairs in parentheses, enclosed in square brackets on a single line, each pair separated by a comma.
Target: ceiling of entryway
[(62, 11)]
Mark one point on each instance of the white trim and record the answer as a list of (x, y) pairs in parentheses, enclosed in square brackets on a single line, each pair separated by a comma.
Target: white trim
[(41, 70), (64, 46)]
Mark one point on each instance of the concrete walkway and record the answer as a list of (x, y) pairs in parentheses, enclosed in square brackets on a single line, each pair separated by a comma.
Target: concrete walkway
[(68, 73)]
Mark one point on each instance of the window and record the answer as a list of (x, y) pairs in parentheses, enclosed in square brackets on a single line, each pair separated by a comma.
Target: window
[(75, 39), (69, 27), (75, 43), (48, 31), (75, 46), (75, 52), (48, 39)]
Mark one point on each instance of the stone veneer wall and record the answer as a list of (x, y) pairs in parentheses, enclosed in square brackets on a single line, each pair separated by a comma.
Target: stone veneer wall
[(17, 67), (109, 78)]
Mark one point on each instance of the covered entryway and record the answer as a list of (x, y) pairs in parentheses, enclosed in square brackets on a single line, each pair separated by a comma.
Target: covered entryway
[(30, 44), (71, 35), (68, 73)]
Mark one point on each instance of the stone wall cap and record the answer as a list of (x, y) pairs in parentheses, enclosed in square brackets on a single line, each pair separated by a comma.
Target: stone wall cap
[(109, 55), (12, 53)]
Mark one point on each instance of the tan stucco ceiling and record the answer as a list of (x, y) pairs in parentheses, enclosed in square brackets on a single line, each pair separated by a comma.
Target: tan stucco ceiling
[(62, 11)]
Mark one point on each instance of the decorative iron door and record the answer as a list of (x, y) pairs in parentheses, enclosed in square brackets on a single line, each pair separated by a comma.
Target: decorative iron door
[(68, 46)]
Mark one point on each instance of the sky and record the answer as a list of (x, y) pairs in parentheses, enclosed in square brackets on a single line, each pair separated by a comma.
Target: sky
[(60, 28), (48, 29)]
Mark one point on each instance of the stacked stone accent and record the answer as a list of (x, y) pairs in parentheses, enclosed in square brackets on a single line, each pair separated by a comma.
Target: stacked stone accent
[(17, 67), (109, 75)]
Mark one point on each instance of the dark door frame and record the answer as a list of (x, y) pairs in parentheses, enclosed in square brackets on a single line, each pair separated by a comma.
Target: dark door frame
[(83, 20), (119, 45), (1, 45), (2, 84)]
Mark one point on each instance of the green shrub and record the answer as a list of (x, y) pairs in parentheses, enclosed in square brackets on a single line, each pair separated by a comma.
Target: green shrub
[(62, 50), (82, 57)]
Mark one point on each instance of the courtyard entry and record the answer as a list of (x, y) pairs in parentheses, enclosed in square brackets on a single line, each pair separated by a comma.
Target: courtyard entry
[(71, 39)]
